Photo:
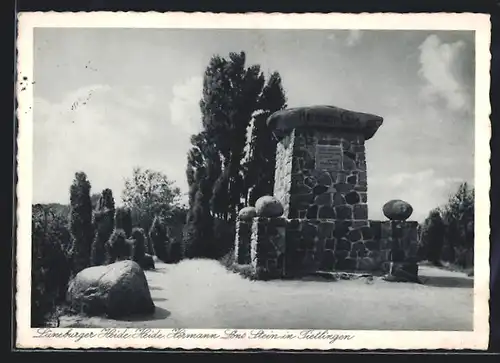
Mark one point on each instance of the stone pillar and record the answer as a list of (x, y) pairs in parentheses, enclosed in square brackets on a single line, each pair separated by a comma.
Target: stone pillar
[(268, 247), (320, 162), (243, 241), (321, 181)]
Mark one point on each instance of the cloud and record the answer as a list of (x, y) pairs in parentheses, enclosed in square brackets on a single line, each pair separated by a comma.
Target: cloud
[(184, 106), (353, 37), (442, 70), (105, 132), (424, 190)]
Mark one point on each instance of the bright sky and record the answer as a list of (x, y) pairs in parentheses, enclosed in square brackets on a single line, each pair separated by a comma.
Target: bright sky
[(107, 100)]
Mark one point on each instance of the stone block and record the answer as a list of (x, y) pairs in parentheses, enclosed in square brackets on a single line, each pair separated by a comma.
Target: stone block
[(328, 261), (352, 198), (330, 243), (343, 212), (354, 235), (343, 187), (376, 228), (360, 211), (338, 199), (327, 212), (312, 212), (325, 229), (323, 199)]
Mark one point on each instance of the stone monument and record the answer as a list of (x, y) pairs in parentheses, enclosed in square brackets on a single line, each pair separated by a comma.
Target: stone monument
[(321, 182)]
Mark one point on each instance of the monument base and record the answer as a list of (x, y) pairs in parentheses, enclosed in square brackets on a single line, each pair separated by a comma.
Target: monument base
[(292, 248)]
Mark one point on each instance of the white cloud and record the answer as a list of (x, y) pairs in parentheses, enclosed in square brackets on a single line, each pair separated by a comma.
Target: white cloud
[(424, 190), (104, 132), (438, 65), (353, 37), (184, 106)]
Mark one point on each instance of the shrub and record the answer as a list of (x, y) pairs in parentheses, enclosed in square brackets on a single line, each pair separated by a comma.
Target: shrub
[(123, 220), (104, 218), (51, 267), (118, 247), (139, 245), (159, 237)]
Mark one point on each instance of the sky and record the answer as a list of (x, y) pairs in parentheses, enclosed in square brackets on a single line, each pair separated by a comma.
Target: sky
[(108, 100)]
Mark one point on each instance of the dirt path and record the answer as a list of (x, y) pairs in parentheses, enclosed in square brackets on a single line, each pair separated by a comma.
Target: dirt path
[(202, 294)]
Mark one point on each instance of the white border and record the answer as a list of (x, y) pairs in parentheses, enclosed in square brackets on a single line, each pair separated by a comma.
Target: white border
[(478, 339)]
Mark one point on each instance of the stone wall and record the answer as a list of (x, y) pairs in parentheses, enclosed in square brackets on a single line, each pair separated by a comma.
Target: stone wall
[(326, 245), (295, 247), (268, 247), (283, 174), (328, 178)]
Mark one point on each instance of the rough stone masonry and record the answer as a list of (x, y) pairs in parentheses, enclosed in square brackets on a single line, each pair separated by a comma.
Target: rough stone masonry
[(321, 181)]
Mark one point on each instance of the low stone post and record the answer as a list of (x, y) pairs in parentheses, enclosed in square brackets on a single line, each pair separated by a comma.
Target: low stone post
[(244, 235), (268, 240)]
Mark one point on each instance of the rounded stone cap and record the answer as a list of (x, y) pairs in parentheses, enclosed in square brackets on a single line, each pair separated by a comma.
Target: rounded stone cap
[(247, 213), (329, 117), (397, 210), (268, 206)]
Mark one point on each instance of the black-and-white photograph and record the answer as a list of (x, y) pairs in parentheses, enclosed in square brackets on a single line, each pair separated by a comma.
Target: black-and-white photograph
[(253, 179)]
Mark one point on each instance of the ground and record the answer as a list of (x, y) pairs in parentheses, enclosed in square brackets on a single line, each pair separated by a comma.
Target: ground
[(203, 294)]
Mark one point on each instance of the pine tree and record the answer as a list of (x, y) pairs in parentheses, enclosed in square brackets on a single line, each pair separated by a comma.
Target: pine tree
[(80, 222)]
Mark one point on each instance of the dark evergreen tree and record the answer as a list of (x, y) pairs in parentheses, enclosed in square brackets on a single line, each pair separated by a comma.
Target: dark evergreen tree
[(159, 238), (104, 220), (118, 247), (433, 236), (139, 240), (260, 165), (80, 222), (123, 220)]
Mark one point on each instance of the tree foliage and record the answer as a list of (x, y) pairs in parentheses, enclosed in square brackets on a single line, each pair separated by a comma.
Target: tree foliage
[(448, 232), (149, 193), (433, 236), (233, 94), (80, 222)]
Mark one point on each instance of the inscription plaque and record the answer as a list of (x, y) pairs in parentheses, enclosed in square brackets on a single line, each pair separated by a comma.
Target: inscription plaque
[(328, 157)]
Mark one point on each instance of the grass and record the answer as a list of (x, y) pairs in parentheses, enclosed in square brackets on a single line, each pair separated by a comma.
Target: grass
[(204, 294)]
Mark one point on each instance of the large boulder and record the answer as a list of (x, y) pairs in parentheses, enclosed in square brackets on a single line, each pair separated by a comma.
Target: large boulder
[(397, 210), (247, 213), (116, 290), (269, 207)]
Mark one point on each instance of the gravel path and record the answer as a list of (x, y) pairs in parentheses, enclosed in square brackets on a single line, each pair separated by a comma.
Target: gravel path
[(202, 294)]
